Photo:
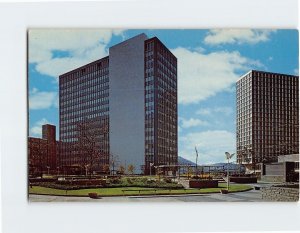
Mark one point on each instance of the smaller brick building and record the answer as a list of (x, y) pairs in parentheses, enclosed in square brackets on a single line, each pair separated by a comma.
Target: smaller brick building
[(43, 152)]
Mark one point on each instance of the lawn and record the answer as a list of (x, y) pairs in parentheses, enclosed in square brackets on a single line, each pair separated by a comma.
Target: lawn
[(134, 190)]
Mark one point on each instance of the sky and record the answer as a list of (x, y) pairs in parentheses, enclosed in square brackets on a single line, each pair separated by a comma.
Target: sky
[(209, 63)]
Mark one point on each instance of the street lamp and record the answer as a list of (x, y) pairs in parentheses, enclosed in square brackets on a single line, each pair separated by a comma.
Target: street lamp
[(151, 164), (228, 157), (48, 167), (86, 170), (196, 161)]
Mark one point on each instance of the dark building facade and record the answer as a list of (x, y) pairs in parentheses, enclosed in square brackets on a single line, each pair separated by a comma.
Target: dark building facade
[(129, 99), (160, 105), (43, 152), (267, 117), (83, 101)]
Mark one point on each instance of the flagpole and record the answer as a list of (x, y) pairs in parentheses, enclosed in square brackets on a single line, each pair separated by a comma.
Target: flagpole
[(196, 160)]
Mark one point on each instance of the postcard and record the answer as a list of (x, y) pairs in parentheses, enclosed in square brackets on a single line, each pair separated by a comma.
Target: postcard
[(163, 115)]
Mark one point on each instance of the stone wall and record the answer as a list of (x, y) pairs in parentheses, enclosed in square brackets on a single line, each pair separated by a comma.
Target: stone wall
[(275, 193), (272, 179)]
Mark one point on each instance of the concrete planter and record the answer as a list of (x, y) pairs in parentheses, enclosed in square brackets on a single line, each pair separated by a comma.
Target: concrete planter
[(224, 191), (203, 184), (93, 195), (243, 180)]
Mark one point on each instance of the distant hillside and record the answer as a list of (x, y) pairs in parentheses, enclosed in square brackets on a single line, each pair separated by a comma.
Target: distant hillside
[(185, 161), (232, 166)]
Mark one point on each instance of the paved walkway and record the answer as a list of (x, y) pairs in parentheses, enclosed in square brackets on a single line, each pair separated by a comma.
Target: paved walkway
[(248, 196)]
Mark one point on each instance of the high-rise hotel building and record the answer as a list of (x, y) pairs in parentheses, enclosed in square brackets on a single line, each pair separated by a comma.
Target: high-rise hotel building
[(267, 116), (130, 99)]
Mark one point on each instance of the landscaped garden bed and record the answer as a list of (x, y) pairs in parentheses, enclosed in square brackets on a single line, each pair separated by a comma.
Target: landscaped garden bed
[(134, 191), (113, 182)]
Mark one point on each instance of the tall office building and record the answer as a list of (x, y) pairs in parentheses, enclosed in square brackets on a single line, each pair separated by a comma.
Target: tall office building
[(130, 100), (267, 116)]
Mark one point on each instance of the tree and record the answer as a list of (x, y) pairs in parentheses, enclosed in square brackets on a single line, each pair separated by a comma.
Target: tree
[(106, 168), (87, 144), (37, 154), (113, 162), (121, 169), (190, 171), (131, 168)]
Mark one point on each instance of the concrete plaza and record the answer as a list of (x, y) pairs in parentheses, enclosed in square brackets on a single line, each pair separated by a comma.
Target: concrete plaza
[(247, 196)]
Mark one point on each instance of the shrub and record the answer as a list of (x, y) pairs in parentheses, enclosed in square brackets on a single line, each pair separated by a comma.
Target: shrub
[(67, 186), (114, 181), (167, 180), (150, 181)]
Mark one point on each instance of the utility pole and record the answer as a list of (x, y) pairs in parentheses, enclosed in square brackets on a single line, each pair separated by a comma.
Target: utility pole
[(196, 160), (228, 157)]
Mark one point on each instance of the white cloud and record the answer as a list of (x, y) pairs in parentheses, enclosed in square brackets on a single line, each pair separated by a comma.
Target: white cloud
[(192, 122), (211, 145), (296, 71), (42, 99), (81, 47), (224, 110), (203, 75), (179, 129), (204, 111), (36, 129), (238, 36), (209, 111)]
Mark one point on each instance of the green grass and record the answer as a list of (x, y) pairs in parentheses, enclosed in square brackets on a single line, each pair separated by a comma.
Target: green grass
[(145, 191)]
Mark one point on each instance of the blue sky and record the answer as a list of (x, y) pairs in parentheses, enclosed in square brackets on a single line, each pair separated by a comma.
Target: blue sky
[(209, 63)]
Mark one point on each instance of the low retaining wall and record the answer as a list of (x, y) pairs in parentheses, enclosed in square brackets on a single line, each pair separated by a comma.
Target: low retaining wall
[(203, 184), (275, 193), (243, 180), (270, 178), (35, 180)]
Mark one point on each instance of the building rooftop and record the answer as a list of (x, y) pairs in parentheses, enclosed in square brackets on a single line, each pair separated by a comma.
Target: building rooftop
[(267, 72)]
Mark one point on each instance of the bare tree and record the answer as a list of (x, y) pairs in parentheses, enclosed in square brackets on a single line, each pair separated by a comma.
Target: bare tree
[(113, 162), (121, 169), (88, 144), (106, 168), (37, 156), (131, 168)]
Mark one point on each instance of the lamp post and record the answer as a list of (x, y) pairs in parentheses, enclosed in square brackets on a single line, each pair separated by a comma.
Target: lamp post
[(196, 161), (86, 170), (151, 164), (228, 157)]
